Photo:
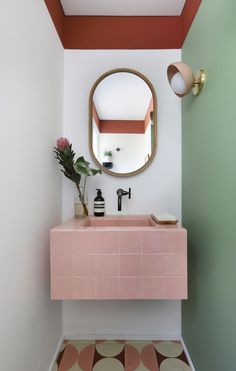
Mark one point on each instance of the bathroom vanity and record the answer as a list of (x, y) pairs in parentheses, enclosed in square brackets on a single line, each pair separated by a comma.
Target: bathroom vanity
[(118, 257)]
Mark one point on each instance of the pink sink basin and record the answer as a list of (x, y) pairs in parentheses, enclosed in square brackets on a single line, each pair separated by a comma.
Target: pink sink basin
[(142, 221), (120, 221), (118, 257)]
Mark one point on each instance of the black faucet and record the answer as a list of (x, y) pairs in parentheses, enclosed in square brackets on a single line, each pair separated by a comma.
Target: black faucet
[(120, 192)]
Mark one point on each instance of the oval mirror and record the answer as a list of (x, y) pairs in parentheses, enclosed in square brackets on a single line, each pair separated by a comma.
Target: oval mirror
[(123, 124)]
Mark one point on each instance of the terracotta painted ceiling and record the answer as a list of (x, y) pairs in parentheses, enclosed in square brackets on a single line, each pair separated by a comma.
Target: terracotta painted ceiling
[(123, 24)]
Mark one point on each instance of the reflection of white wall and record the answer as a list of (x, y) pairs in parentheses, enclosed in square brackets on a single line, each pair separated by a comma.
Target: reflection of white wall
[(148, 141), (113, 102), (157, 189), (132, 151), (96, 141)]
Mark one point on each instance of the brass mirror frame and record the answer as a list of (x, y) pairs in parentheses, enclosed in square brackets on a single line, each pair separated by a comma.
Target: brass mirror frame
[(154, 120)]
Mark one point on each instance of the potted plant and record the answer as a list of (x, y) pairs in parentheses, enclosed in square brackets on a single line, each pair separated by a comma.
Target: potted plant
[(75, 170), (107, 159)]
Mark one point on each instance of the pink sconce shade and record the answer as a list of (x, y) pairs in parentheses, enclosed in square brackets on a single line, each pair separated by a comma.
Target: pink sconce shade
[(182, 79)]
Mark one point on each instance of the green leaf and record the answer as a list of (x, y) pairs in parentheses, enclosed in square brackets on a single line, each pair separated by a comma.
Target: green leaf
[(81, 166), (77, 178), (66, 160), (95, 171), (82, 160), (73, 170)]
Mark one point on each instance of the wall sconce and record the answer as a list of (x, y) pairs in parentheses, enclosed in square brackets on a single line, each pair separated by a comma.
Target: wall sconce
[(182, 79)]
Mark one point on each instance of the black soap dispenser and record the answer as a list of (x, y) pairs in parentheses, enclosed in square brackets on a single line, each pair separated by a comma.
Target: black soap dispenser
[(99, 204)]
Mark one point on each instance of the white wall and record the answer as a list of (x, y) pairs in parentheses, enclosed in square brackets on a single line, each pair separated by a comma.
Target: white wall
[(157, 189), (132, 151), (31, 75)]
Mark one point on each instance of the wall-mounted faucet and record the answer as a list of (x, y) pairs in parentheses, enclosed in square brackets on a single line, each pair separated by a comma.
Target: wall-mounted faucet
[(120, 192)]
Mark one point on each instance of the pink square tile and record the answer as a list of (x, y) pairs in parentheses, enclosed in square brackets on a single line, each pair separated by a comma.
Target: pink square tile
[(176, 241), (84, 242), (85, 288), (176, 265), (153, 265), (107, 242), (153, 288), (62, 288), (61, 242), (153, 242), (131, 242), (107, 288), (72, 265), (72, 288), (165, 241), (130, 288), (62, 265), (130, 265), (176, 288), (84, 265), (107, 265)]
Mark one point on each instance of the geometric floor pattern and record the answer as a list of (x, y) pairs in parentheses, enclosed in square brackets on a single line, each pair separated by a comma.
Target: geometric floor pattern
[(121, 355)]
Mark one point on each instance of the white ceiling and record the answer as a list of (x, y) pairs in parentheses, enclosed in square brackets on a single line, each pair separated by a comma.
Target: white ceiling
[(122, 96), (123, 7)]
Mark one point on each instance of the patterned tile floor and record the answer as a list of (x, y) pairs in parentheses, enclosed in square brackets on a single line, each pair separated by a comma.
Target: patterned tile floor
[(121, 355)]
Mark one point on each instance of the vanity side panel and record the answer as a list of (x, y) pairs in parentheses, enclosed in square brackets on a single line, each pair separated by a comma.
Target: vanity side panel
[(95, 265), (164, 274)]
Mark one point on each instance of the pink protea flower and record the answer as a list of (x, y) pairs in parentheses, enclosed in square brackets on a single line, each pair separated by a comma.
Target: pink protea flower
[(62, 144)]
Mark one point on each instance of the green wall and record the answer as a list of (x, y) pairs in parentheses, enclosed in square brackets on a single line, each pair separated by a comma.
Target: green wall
[(209, 189)]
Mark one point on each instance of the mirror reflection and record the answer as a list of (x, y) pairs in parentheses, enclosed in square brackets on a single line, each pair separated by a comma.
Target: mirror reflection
[(122, 122)]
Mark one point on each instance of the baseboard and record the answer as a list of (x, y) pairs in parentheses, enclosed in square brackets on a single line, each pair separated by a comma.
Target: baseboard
[(56, 353), (187, 355), (107, 336)]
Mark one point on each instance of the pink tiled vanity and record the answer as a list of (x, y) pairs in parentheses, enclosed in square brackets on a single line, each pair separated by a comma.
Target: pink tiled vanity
[(120, 257)]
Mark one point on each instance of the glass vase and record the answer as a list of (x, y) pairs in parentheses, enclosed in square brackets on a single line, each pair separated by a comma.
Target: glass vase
[(81, 203)]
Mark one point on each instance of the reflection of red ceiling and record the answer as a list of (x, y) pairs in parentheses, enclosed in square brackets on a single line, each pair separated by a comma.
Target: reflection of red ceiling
[(122, 127), (112, 32), (95, 116)]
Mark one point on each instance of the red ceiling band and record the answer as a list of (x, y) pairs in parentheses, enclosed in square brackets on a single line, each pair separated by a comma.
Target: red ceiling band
[(122, 127), (98, 32), (57, 14), (189, 12), (124, 32)]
